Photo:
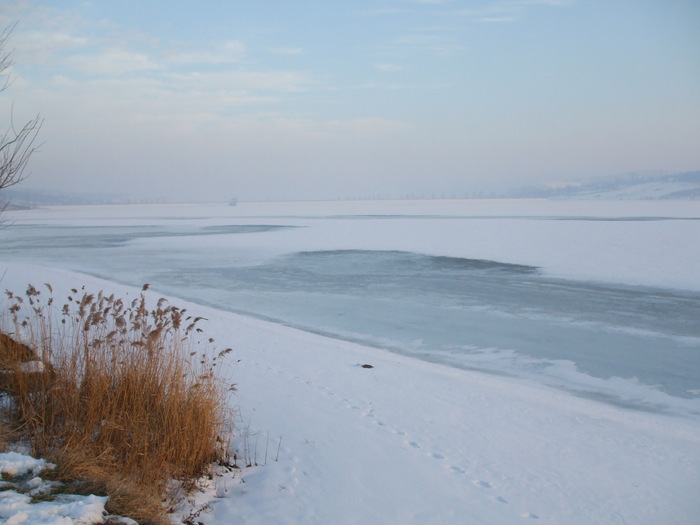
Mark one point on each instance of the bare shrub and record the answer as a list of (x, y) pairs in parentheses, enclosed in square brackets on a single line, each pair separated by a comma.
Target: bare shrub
[(125, 400), (17, 144)]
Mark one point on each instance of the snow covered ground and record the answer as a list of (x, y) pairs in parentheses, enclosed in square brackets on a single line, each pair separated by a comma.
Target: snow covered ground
[(25, 484), (410, 441)]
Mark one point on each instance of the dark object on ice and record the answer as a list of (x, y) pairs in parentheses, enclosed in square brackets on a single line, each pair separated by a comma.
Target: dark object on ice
[(367, 366)]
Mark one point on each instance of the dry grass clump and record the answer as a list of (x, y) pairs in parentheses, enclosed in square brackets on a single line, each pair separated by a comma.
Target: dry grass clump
[(116, 396)]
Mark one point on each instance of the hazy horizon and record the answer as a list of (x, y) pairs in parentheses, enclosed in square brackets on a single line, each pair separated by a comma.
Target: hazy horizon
[(322, 100)]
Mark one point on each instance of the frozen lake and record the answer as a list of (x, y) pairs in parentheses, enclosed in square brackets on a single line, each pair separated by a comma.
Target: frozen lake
[(601, 299)]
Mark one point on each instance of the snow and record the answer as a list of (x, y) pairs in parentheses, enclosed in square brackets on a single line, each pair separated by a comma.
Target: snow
[(17, 508), (409, 441), (414, 442), (14, 463), (65, 510)]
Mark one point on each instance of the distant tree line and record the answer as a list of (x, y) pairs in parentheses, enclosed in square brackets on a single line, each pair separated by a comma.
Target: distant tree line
[(26, 198)]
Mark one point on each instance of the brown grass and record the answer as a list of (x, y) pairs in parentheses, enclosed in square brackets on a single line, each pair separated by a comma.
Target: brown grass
[(123, 399)]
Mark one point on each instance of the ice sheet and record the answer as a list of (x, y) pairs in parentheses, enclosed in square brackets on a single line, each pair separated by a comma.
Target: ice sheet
[(409, 442), (599, 298)]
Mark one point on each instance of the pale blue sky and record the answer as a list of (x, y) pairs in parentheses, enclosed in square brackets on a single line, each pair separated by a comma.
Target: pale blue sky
[(267, 99)]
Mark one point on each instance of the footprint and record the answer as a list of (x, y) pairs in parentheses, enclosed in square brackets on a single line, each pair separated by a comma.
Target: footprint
[(438, 456), (457, 470), (482, 483), (414, 444), (501, 499), (530, 515)]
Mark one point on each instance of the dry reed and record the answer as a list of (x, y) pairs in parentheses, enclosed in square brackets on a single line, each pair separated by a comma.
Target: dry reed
[(120, 397)]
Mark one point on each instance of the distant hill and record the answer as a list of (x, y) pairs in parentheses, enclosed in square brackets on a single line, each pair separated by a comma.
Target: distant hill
[(20, 198), (679, 186)]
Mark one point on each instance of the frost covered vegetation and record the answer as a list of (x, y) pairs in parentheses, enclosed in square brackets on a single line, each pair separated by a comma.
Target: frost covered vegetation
[(122, 398)]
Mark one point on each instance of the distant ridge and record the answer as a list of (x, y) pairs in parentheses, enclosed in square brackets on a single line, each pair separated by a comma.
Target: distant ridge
[(20, 198), (634, 186), (631, 186)]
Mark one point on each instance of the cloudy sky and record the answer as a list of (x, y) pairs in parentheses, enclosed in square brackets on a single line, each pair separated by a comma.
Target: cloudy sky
[(308, 99)]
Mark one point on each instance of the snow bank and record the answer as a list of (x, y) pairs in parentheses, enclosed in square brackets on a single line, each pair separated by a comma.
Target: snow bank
[(18, 508), (411, 442), (15, 464)]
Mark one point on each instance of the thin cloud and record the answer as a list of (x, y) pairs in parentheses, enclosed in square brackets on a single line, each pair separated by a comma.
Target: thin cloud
[(432, 2), (229, 52), (368, 126), (38, 47), (325, 129), (276, 81), (389, 67), (396, 87), (553, 3), (380, 12), (497, 19), (494, 11), (111, 62), (433, 44), (508, 10), (285, 50)]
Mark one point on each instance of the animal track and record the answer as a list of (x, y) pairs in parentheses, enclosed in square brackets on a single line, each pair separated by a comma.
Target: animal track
[(366, 410)]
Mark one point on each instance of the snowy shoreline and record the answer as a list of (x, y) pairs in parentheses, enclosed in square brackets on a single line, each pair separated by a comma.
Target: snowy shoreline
[(414, 442)]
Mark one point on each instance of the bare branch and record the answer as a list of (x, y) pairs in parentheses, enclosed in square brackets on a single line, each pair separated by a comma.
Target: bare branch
[(6, 61), (16, 147), (16, 144)]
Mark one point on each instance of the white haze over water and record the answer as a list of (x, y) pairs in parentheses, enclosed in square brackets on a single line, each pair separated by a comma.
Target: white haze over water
[(600, 299)]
